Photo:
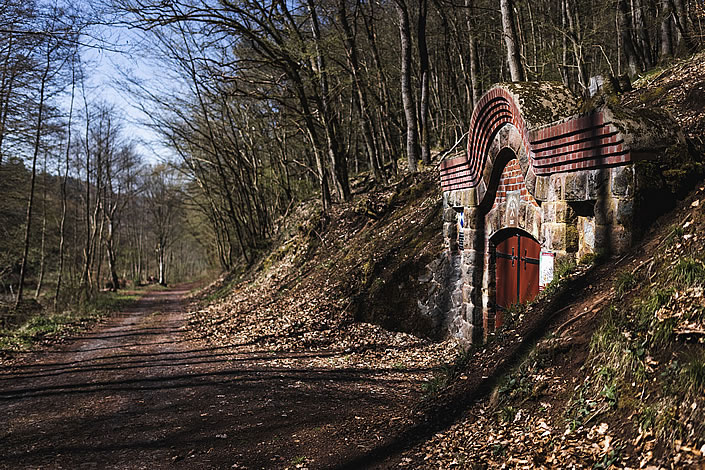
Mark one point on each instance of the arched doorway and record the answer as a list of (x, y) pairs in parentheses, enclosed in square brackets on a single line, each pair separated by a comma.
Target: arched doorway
[(516, 260)]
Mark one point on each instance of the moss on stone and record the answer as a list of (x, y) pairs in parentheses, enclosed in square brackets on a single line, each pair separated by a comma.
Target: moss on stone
[(572, 238), (542, 103)]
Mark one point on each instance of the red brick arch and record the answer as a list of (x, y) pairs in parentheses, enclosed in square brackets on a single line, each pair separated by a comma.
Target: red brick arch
[(580, 143)]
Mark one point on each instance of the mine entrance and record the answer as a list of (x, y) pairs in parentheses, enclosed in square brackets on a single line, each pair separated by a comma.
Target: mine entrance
[(517, 269)]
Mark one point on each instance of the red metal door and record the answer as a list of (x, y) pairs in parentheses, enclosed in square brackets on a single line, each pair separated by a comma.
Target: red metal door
[(517, 268)]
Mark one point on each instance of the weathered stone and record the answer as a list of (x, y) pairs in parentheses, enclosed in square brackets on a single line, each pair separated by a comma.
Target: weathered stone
[(624, 212), (470, 294), (530, 180), (426, 276), (449, 230), (462, 198), (597, 183), (555, 236), (555, 188), (557, 212), (622, 179), (481, 191), (604, 211), (523, 158), (574, 186), (620, 239), (542, 185), (586, 229), (449, 214), (471, 258)]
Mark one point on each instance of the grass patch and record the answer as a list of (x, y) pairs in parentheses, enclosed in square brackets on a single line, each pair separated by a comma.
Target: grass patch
[(624, 283), (688, 272), (692, 377), (46, 325)]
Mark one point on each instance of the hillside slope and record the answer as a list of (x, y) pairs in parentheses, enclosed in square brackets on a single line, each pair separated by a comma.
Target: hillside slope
[(345, 281)]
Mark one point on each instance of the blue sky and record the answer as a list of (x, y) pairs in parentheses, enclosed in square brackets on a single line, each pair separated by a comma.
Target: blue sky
[(106, 63)]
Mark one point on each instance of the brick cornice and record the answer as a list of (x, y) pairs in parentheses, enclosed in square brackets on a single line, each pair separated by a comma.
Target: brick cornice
[(576, 143)]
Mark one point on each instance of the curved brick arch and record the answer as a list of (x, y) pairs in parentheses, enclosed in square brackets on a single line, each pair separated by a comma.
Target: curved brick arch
[(553, 143)]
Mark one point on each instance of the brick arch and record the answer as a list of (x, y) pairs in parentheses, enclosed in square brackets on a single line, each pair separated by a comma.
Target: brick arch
[(567, 144), (510, 180)]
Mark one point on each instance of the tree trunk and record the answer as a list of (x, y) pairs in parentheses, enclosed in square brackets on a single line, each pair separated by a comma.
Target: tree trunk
[(42, 252), (337, 159), (110, 249), (412, 142), (642, 33), (509, 31), (625, 28), (367, 122), (666, 45), (30, 201), (161, 259), (680, 16), (424, 71), (8, 80), (62, 224)]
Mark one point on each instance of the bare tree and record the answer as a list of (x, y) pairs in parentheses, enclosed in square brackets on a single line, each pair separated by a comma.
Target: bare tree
[(509, 32), (407, 94), (164, 201)]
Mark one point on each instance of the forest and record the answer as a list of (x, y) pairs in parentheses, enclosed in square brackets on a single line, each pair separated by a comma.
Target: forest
[(261, 104)]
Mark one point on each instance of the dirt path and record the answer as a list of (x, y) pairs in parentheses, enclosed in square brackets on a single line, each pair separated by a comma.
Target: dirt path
[(141, 392)]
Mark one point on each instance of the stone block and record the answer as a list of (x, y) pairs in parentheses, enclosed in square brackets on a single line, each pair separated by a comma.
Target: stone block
[(523, 207), (555, 236), (456, 297), (450, 230), (557, 212), (503, 136), (481, 191), (523, 159), (620, 239), (471, 215), (542, 185), (473, 314), (471, 295), (471, 236), (450, 214), (604, 211), (472, 259), (624, 212), (530, 180), (555, 188), (586, 228), (622, 180), (461, 198), (574, 186), (597, 183)]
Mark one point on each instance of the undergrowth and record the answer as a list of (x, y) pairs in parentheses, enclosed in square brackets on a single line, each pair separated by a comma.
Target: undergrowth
[(46, 325)]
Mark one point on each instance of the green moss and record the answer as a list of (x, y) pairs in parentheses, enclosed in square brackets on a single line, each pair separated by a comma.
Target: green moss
[(572, 237), (652, 94), (543, 102)]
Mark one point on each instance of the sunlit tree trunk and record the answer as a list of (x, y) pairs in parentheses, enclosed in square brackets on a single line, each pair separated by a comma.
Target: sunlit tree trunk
[(412, 139), (509, 31)]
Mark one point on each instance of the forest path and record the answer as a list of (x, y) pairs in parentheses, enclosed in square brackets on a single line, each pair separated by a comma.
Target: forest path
[(140, 391)]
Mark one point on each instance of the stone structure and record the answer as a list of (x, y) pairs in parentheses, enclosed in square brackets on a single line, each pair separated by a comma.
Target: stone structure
[(538, 169)]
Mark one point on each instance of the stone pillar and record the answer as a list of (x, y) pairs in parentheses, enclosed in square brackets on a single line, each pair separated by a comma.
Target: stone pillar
[(473, 262)]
